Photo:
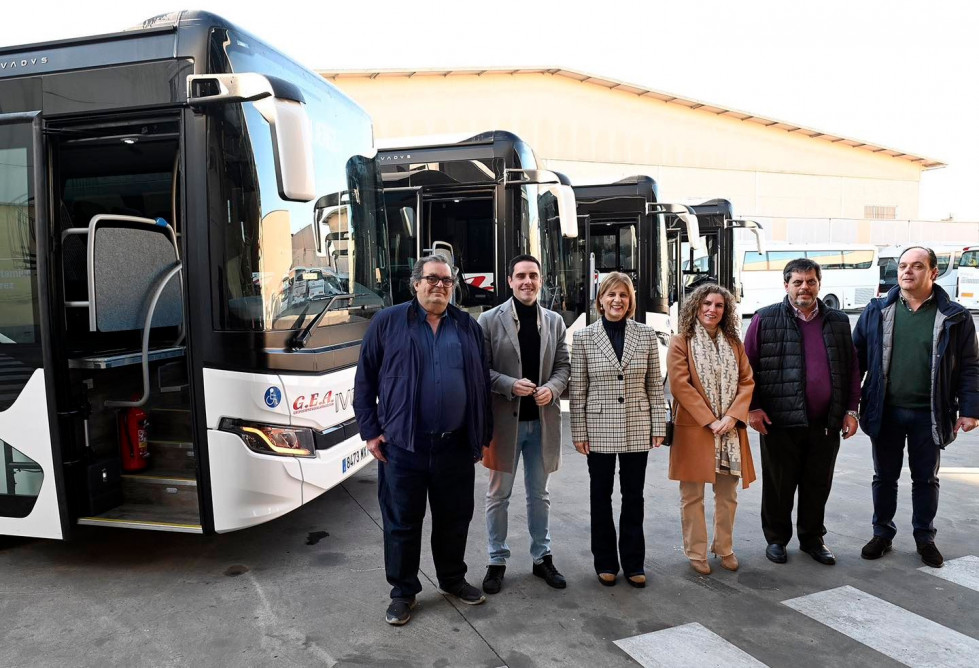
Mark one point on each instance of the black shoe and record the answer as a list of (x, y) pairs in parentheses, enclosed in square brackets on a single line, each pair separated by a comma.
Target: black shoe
[(399, 612), (493, 582), (820, 553), (776, 553), (930, 556), (465, 592), (545, 569), (876, 548)]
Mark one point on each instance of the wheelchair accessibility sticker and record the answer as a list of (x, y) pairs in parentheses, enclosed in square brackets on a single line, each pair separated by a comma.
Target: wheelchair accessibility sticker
[(273, 396)]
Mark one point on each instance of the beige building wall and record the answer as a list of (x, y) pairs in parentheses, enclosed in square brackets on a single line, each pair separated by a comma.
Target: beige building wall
[(595, 134)]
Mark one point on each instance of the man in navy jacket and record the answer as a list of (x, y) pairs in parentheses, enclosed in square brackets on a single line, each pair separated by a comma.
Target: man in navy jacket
[(919, 352), (422, 402)]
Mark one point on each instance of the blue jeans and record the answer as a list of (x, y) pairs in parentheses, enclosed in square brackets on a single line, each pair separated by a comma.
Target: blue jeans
[(898, 425), (538, 500)]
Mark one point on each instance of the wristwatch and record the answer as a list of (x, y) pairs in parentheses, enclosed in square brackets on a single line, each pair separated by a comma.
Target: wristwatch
[(855, 415)]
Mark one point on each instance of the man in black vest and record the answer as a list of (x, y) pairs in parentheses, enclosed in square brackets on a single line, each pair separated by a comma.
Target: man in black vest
[(807, 389)]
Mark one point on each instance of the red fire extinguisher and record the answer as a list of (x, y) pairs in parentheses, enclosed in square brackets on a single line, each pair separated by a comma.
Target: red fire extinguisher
[(133, 439)]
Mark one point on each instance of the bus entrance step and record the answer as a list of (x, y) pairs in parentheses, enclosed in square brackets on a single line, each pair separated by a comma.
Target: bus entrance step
[(144, 516), (169, 423), (172, 456), (161, 488)]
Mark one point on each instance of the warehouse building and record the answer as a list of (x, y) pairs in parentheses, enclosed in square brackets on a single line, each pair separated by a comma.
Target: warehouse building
[(595, 129)]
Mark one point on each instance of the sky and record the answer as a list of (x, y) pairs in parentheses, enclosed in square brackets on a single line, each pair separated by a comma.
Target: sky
[(899, 74)]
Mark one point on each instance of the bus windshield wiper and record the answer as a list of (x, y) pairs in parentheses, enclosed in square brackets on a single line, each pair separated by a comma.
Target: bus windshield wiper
[(301, 337)]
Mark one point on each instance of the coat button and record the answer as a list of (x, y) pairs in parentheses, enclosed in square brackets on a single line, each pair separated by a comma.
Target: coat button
[(514, 415), (621, 377), (621, 400)]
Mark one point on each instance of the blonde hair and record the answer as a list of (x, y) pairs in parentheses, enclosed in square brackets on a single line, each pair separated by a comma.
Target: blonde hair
[(613, 280)]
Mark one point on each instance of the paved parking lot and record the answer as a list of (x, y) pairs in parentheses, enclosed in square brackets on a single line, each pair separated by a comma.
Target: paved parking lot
[(308, 589)]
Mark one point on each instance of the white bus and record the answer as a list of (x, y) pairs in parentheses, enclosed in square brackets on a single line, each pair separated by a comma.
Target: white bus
[(850, 274), (160, 190), (948, 262), (968, 278)]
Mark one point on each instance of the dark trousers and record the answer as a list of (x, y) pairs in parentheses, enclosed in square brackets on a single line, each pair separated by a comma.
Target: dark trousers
[(800, 458), (443, 472), (632, 542), (914, 426)]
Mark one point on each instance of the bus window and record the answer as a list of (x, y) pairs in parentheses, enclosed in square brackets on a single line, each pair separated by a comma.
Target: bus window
[(828, 259), (778, 259), (258, 234), (754, 261), (857, 259)]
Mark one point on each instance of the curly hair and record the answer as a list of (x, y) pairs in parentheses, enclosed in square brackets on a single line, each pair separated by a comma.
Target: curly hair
[(688, 312)]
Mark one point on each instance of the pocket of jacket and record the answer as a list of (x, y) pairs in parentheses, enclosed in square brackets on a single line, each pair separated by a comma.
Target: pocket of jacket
[(593, 407)]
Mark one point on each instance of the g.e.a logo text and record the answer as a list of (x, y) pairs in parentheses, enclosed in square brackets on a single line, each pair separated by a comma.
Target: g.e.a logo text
[(339, 400)]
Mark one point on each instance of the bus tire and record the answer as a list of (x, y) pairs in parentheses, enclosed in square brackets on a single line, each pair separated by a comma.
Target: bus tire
[(831, 301)]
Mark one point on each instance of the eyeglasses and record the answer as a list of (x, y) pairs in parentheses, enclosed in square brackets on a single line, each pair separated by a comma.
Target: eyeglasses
[(434, 280)]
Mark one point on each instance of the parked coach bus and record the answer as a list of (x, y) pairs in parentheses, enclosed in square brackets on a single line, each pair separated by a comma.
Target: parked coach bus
[(190, 252), (667, 249), (850, 274), (623, 227), (479, 202)]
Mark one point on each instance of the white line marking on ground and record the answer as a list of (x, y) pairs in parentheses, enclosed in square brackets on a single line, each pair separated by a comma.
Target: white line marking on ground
[(891, 630), (687, 645), (962, 571), (961, 470)]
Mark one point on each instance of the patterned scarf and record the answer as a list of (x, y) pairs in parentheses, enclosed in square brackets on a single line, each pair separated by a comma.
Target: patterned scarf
[(717, 368)]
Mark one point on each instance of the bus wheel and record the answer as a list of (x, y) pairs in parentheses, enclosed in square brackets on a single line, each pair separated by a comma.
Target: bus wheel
[(831, 301)]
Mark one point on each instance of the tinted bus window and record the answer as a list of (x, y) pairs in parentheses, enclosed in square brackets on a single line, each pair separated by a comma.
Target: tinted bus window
[(857, 259), (266, 245)]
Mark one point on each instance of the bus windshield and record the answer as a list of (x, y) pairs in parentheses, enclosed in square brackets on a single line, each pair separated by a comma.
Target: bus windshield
[(276, 271)]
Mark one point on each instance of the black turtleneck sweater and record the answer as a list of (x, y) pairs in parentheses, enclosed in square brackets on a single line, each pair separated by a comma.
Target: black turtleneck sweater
[(529, 338), (616, 334)]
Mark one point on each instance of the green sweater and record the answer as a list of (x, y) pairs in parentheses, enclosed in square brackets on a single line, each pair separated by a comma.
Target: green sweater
[(909, 380)]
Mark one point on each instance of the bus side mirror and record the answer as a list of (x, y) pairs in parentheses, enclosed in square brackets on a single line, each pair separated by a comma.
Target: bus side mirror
[(567, 208), (281, 104), (686, 216)]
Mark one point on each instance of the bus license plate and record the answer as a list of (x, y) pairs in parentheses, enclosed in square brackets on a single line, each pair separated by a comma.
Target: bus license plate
[(353, 459)]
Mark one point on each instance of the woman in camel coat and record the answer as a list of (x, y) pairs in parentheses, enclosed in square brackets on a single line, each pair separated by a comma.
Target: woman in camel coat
[(711, 383)]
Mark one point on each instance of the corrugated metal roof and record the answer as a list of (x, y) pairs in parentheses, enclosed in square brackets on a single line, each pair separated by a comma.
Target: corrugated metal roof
[(613, 84)]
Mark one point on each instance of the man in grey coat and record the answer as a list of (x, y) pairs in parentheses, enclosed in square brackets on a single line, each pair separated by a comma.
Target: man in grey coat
[(529, 370)]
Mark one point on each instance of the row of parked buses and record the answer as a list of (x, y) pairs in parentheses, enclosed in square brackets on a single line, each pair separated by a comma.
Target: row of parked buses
[(195, 232)]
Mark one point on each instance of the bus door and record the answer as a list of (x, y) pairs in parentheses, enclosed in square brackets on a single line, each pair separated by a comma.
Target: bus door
[(31, 484), (462, 226), (613, 245), (403, 206)]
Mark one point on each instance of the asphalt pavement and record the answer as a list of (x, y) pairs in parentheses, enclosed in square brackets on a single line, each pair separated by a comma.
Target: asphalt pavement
[(308, 589)]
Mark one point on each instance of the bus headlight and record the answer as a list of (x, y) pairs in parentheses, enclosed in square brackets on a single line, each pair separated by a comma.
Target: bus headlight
[(269, 439)]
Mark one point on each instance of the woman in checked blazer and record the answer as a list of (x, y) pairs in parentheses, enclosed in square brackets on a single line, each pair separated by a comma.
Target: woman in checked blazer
[(617, 410)]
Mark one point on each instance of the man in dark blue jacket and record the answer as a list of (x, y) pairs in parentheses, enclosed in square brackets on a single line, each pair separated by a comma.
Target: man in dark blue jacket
[(918, 350), (422, 403)]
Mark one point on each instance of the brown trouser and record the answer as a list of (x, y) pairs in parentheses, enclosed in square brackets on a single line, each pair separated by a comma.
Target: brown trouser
[(694, 521)]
